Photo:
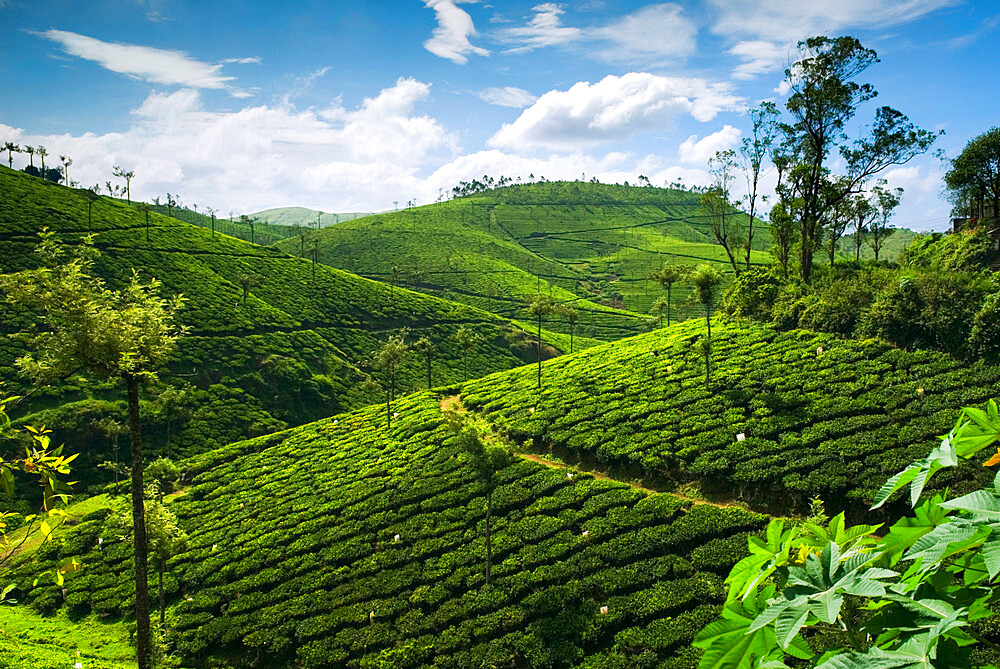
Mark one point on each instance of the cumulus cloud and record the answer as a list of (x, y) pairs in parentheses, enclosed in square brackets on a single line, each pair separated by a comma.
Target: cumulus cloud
[(450, 38), (768, 29), (158, 66), (612, 109), (508, 96), (698, 151), (262, 156)]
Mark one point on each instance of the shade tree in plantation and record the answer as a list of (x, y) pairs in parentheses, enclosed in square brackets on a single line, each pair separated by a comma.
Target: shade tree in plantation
[(716, 205), (824, 98), (66, 162), (11, 148), (707, 284), (122, 335), (784, 235), (754, 149), (667, 277), (171, 402), (879, 228), (121, 173), (658, 309), (164, 474), (572, 316), (467, 340), (425, 348), (112, 429), (388, 359), (540, 307), (42, 152), (838, 218), (862, 212), (488, 457)]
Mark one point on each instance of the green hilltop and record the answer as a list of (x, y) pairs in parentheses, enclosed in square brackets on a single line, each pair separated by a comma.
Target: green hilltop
[(591, 246), (348, 543), (259, 320), (304, 217)]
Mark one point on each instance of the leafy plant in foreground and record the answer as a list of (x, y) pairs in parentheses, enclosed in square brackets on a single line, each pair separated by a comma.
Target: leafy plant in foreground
[(840, 597)]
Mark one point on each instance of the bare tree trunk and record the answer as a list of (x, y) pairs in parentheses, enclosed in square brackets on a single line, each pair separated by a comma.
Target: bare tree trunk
[(139, 527)]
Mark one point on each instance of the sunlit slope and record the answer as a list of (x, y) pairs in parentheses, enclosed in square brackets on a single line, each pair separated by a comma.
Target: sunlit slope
[(346, 544), (294, 348), (591, 245), (818, 415)]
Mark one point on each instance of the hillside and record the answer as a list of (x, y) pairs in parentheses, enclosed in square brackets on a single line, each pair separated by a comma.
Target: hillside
[(591, 245), (304, 217), (274, 340), (344, 543)]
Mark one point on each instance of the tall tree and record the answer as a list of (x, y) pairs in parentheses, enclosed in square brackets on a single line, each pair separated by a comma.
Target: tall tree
[(425, 347), (127, 176), (886, 201), (754, 148), (667, 277), (824, 98), (388, 359), (42, 152), (112, 429), (123, 335), (716, 205), (658, 309), (540, 307), (467, 340), (488, 457), (11, 148), (30, 150), (975, 176), (862, 211), (707, 283), (837, 219), (572, 316), (66, 162), (166, 539)]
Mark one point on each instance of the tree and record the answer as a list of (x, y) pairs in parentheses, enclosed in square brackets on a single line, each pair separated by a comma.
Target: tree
[(248, 279), (250, 221), (716, 206), (467, 340), (488, 457), (30, 150), (42, 152), (975, 176), (838, 218), (783, 233), (164, 473), (658, 309), (572, 316), (166, 539), (388, 359), (707, 282), (824, 98), (854, 597), (66, 162), (753, 149), (540, 307), (123, 335), (879, 229), (171, 400), (667, 277), (425, 347), (862, 213), (11, 148), (127, 176), (145, 208), (112, 429)]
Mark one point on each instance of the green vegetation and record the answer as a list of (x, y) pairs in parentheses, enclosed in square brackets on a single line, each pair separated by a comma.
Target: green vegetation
[(589, 245), (32, 641), (304, 218), (310, 334)]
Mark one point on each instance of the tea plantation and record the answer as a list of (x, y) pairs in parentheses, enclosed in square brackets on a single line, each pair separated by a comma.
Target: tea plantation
[(258, 319), (590, 244), (817, 415), (342, 543)]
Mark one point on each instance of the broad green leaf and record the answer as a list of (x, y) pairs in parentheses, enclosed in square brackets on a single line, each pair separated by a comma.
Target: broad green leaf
[(991, 555), (980, 502)]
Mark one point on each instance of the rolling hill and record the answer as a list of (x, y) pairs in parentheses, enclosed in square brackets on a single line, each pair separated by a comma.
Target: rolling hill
[(275, 340), (591, 246), (304, 217), (347, 543)]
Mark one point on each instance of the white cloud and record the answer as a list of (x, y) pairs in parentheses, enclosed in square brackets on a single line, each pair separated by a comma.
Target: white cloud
[(653, 32), (769, 29), (650, 34), (450, 38), (612, 109), (508, 96), (261, 156), (698, 151), (544, 29), (158, 66), (921, 207)]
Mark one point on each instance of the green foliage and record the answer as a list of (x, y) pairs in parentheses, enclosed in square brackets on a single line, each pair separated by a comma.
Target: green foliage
[(970, 250), (910, 598)]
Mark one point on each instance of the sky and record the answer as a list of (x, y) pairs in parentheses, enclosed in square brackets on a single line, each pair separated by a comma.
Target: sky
[(365, 106)]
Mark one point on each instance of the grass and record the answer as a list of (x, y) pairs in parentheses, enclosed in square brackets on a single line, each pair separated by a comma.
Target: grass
[(32, 641)]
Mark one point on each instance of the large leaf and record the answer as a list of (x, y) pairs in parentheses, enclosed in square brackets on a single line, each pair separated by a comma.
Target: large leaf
[(728, 644), (980, 502)]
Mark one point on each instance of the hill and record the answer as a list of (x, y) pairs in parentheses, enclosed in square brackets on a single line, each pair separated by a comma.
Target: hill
[(303, 217), (274, 340), (590, 245), (893, 249), (346, 543)]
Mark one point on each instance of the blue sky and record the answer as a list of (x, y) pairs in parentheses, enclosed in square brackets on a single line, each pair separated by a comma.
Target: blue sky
[(346, 106)]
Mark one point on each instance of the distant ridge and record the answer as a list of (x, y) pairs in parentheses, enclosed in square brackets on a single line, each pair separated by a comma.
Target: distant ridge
[(303, 216)]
